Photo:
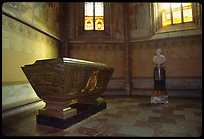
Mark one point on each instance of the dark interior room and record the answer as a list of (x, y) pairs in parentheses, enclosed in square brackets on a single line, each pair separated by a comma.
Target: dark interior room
[(119, 69)]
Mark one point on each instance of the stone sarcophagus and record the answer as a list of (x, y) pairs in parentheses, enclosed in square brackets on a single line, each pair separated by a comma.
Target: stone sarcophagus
[(71, 89)]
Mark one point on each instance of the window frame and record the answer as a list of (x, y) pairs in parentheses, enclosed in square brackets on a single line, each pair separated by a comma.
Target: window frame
[(182, 18), (94, 33), (177, 27), (94, 24)]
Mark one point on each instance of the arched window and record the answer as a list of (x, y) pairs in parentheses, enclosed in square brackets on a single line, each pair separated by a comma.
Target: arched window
[(93, 16)]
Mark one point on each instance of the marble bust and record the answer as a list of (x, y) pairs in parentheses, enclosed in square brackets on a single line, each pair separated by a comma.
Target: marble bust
[(159, 59)]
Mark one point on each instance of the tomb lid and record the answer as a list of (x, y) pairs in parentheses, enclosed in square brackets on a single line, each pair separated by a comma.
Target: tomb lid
[(66, 60)]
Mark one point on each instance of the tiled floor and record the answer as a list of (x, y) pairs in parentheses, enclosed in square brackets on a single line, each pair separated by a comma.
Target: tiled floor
[(124, 116)]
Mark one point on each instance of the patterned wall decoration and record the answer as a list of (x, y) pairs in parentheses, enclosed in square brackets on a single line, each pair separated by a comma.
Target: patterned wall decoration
[(140, 26), (22, 45), (117, 19), (132, 17), (46, 16)]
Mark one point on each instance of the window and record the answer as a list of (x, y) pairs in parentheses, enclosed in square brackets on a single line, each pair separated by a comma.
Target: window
[(176, 19), (93, 16), (100, 21), (177, 16), (176, 13)]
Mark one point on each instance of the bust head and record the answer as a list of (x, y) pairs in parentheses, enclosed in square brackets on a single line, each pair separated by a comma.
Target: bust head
[(158, 51), (159, 59)]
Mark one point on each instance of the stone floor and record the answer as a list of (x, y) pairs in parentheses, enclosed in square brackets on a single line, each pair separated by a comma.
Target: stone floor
[(124, 116)]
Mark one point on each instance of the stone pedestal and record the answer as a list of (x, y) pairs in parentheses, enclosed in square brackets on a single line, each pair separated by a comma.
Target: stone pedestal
[(71, 89), (159, 95)]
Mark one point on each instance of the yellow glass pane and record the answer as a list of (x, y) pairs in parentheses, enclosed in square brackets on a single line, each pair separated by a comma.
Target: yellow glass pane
[(176, 10), (88, 25), (166, 18), (176, 16), (187, 12), (166, 15), (186, 4), (99, 23)]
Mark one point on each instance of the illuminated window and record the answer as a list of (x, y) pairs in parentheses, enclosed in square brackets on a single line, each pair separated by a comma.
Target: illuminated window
[(93, 16), (175, 13)]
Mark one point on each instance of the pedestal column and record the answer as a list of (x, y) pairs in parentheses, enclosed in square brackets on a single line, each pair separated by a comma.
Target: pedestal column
[(159, 94)]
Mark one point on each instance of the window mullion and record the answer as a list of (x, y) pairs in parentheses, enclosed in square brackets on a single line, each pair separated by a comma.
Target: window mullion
[(171, 14), (94, 15), (159, 17), (194, 11), (182, 21)]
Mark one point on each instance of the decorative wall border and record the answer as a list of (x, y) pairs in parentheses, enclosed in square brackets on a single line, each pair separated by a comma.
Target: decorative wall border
[(22, 33), (35, 28), (19, 39)]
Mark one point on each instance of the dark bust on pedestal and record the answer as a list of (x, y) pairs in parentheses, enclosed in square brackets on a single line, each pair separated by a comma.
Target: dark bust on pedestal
[(71, 89)]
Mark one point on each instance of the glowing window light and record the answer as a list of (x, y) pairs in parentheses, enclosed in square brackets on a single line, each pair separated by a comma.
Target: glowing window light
[(176, 13), (93, 16), (187, 12)]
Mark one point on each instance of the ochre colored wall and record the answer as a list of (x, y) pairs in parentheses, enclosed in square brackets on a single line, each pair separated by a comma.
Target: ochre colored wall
[(30, 31), (183, 49), (107, 53), (23, 47), (184, 57)]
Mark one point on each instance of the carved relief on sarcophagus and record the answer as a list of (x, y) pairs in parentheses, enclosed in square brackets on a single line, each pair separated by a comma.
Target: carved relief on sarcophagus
[(68, 86)]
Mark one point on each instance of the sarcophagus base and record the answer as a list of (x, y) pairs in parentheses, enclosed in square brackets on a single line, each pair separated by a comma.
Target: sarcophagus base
[(83, 111), (60, 110)]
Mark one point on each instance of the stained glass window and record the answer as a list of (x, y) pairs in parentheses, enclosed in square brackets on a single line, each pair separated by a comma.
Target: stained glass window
[(176, 13), (166, 14), (187, 12), (93, 16)]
